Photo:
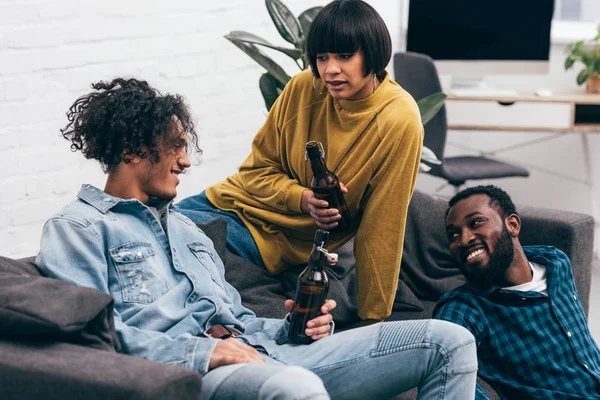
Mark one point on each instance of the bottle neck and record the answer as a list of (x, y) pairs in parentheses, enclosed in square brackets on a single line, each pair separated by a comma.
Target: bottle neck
[(318, 167), (317, 259)]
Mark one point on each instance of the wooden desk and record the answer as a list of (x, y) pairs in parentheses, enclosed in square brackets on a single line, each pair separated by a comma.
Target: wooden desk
[(574, 112), (566, 112)]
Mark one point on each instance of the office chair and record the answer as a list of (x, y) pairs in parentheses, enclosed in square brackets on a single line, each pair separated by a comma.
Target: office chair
[(416, 73)]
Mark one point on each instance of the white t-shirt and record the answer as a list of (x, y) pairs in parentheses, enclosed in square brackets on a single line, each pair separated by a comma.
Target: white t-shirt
[(538, 282)]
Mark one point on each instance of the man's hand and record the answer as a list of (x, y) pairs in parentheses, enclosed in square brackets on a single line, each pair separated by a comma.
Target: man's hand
[(317, 328), (232, 351), (324, 217)]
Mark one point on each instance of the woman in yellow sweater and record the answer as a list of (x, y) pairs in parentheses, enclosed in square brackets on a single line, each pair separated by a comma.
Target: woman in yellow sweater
[(372, 134)]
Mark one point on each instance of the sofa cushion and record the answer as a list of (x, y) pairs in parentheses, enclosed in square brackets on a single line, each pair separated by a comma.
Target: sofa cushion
[(260, 290), (427, 267), (25, 266), (41, 369), (38, 307)]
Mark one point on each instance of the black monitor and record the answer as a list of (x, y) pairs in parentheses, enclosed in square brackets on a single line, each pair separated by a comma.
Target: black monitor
[(473, 38)]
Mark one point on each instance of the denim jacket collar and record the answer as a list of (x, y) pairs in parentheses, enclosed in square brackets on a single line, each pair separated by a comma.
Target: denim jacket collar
[(103, 201)]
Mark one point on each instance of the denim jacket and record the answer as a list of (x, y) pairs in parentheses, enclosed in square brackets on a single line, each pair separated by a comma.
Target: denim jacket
[(168, 288)]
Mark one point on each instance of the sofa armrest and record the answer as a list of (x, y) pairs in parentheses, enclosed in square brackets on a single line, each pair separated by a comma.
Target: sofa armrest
[(62, 371), (571, 232)]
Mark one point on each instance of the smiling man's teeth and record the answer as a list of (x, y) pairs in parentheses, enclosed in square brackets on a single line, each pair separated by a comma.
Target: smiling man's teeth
[(474, 254)]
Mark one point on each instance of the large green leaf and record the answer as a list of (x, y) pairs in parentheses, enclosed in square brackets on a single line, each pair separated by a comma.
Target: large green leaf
[(270, 88), (569, 62), (429, 106), (583, 75), (307, 17), (265, 61), (288, 26), (252, 38), (576, 51)]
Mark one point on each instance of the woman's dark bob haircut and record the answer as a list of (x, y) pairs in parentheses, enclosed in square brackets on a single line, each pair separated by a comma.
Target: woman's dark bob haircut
[(345, 26)]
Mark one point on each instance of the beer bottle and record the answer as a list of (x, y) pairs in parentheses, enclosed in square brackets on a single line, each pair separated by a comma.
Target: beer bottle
[(311, 290), (326, 186)]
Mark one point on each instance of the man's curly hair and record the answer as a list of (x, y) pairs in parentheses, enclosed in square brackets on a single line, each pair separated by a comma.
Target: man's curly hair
[(125, 118)]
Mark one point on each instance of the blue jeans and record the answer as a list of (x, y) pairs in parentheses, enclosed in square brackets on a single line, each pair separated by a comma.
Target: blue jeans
[(372, 362), (258, 381), (239, 239)]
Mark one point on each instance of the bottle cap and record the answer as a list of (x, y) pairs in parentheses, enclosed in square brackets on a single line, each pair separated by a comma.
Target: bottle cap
[(314, 150), (332, 258)]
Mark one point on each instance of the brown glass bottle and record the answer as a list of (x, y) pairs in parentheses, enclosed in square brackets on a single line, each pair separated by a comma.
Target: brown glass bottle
[(311, 291), (326, 185)]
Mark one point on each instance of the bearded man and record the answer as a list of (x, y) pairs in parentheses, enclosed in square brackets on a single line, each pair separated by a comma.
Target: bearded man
[(520, 303)]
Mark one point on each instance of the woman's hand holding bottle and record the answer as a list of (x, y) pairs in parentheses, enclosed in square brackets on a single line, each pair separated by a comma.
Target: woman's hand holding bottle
[(324, 217)]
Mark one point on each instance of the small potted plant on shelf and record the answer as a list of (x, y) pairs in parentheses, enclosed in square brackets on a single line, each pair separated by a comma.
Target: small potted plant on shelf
[(294, 30), (588, 53)]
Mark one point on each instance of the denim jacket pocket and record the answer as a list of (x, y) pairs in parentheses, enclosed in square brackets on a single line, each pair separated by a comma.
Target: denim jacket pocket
[(139, 277), (206, 259)]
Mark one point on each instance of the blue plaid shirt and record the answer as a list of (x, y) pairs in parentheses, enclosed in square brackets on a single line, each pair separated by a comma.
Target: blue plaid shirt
[(530, 346)]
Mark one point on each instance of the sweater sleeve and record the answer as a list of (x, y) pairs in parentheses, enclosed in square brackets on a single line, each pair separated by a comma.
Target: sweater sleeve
[(380, 236), (264, 173)]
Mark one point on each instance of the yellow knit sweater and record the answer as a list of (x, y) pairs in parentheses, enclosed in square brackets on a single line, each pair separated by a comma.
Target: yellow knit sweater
[(373, 145)]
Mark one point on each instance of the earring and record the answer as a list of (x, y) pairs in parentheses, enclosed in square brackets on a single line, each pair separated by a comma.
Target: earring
[(315, 86)]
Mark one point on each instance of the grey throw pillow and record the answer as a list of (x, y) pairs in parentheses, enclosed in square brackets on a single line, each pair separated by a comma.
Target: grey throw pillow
[(42, 308)]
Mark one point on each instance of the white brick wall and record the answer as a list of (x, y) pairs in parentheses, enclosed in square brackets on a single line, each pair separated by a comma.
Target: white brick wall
[(50, 52)]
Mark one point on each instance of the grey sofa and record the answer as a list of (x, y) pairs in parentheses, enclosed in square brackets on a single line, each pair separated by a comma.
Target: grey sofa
[(57, 341)]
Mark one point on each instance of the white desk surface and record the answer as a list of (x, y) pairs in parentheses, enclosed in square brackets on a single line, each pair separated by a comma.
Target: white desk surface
[(567, 96)]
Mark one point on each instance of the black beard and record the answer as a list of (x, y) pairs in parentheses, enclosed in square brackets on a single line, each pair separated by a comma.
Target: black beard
[(499, 262)]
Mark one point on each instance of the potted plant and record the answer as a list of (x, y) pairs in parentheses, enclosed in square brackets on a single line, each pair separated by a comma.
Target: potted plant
[(588, 53), (294, 30)]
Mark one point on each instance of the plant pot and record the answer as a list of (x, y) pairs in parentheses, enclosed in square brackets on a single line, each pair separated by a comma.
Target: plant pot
[(592, 85)]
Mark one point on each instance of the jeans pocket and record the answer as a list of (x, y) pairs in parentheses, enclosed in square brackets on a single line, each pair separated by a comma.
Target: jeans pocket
[(138, 273)]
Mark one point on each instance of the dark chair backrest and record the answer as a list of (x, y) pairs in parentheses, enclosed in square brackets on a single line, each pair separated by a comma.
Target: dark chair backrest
[(416, 73)]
